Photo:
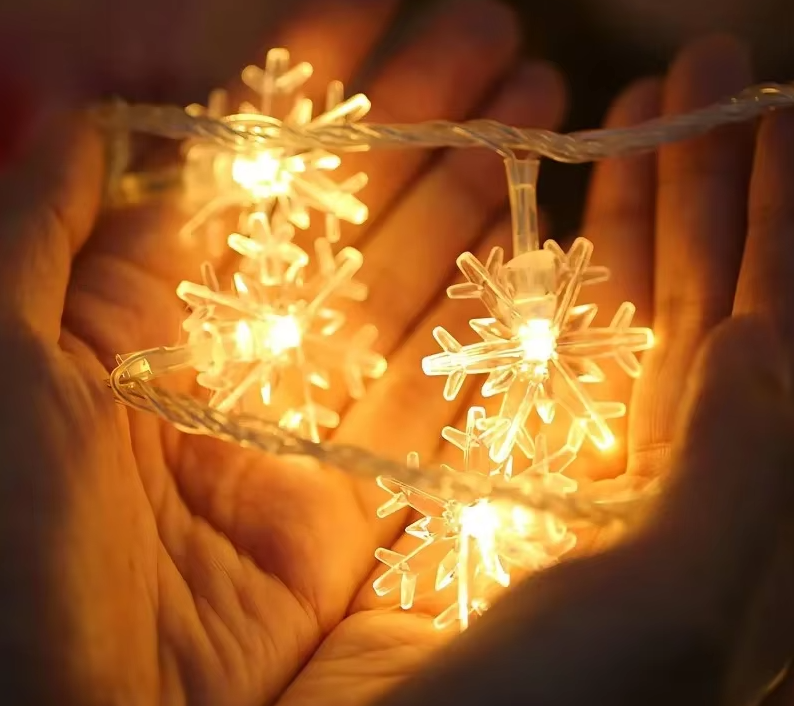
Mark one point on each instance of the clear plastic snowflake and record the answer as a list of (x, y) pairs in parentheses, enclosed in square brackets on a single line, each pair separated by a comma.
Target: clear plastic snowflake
[(271, 343), (275, 180), (538, 347), (474, 549)]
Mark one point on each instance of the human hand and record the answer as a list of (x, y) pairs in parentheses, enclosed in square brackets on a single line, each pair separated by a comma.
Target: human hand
[(145, 566), (695, 606), (145, 50)]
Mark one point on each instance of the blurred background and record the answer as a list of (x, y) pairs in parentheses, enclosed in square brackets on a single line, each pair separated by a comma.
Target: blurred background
[(601, 45)]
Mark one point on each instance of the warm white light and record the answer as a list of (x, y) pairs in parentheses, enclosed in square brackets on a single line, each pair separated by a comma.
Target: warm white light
[(285, 334), (538, 340), (263, 175), (273, 335), (481, 522)]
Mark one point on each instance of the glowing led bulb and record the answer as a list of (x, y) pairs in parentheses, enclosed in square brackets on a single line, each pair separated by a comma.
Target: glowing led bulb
[(475, 549), (538, 347), (271, 342), (271, 336), (538, 340), (264, 176), (275, 179)]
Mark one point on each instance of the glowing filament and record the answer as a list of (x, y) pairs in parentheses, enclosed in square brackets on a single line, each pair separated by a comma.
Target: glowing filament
[(538, 340), (272, 336)]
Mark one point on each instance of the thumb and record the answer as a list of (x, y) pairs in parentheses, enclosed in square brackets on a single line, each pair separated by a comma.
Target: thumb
[(49, 199), (658, 619), (731, 490)]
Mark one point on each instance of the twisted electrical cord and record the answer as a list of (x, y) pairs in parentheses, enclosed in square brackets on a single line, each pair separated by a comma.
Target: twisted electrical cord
[(190, 415), (245, 131)]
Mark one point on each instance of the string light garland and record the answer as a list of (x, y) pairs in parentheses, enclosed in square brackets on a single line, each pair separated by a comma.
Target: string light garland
[(509, 508), (272, 340)]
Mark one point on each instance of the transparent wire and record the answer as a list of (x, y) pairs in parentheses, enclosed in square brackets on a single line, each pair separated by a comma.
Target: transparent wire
[(174, 122), (134, 384)]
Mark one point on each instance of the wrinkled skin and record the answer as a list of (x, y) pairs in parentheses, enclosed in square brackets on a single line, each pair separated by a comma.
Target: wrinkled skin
[(145, 566)]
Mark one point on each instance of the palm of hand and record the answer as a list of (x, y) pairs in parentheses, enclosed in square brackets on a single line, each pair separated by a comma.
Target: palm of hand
[(243, 564), (199, 571)]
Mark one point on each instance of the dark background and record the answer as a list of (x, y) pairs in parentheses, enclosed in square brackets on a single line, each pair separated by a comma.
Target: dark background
[(601, 45)]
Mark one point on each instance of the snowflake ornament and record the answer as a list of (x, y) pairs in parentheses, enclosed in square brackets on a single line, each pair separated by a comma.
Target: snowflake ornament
[(476, 549), (273, 180), (272, 341), (538, 347)]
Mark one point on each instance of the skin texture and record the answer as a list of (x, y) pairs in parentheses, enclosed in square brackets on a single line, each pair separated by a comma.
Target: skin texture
[(142, 566)]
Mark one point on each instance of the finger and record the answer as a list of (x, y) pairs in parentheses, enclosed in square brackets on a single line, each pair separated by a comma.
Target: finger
[(735, 449), (619, 217), (137, 257), (442, 74), (335, 37), (580, 632), (701, 223), (127, 274), (48, 202), (766, 282), (619, 221)]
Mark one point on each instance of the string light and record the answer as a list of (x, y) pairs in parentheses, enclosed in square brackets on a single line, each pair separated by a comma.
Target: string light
[(577, 147), (272, 342), (498, 516), (539, 349)]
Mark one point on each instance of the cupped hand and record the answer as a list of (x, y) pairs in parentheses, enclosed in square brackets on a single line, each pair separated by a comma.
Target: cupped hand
[(694, 607), (145, 566)]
